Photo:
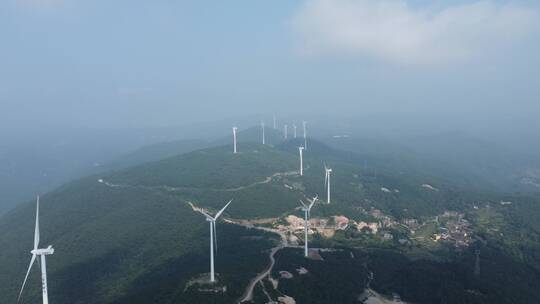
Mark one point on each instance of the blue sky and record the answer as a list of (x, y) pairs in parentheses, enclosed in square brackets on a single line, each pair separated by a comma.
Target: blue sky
[(137, 63)]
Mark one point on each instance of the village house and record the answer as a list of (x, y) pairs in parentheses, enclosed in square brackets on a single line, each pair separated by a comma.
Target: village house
[(341, 222)]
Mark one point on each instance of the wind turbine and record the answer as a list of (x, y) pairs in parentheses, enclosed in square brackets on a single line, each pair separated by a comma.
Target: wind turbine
[(305, 134), (234, 129), (327, 171), (285, 131), (301, 151), (275, 122), (294, 127), (262, 127), (41, 253), (307, 211), (213, 238)]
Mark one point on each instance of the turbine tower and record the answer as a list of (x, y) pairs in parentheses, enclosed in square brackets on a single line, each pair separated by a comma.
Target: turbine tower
[(301, 151), (262, 127), (307, 211), (234, 129), (41, 253), (328, 171), (285, 131), (213, 238), (305, 134), (294, 128)]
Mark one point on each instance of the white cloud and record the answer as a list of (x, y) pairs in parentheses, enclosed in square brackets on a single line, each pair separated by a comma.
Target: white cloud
[(393, 31)]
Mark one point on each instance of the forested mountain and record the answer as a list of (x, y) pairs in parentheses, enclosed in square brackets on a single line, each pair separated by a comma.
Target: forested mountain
[(131, 235)]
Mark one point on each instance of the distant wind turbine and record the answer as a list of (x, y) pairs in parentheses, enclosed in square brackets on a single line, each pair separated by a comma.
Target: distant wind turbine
[(262, 127), (275, 126), (301, 151), (234, 129), (285, 131), (41, 253), (213, 237), (327, 172), (294, 128), (305, 134), (307, 210)]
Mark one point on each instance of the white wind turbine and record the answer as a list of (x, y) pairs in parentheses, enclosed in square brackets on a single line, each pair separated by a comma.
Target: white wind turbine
[(285, 131), (213, 238), (294, 128), (307, 211), (234, 129), (305, 134), (301, 151), (327, 172), (41, 253), (262, 127)]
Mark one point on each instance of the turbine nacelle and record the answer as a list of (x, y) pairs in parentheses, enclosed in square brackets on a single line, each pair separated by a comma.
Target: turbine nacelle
[(327, 169), (312, 202), (46, 251)]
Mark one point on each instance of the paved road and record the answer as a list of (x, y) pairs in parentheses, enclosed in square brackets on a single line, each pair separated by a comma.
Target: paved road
[(248, 294)]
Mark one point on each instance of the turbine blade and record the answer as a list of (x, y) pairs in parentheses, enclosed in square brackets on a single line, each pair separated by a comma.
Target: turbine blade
[(36, 232), (221, 211), (301, 202), (313, 202), (26, 277)]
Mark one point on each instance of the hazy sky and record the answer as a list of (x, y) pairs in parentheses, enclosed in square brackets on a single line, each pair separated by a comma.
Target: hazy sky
[(136, 63)]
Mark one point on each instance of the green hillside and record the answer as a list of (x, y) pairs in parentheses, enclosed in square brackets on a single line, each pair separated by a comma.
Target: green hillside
[(216, 168), (108, 240), (130, 236), (168, 149), (111, 239)]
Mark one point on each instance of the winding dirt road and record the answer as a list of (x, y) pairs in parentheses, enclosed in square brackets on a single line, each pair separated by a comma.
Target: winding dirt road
[(172, 189), (248, 294)]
